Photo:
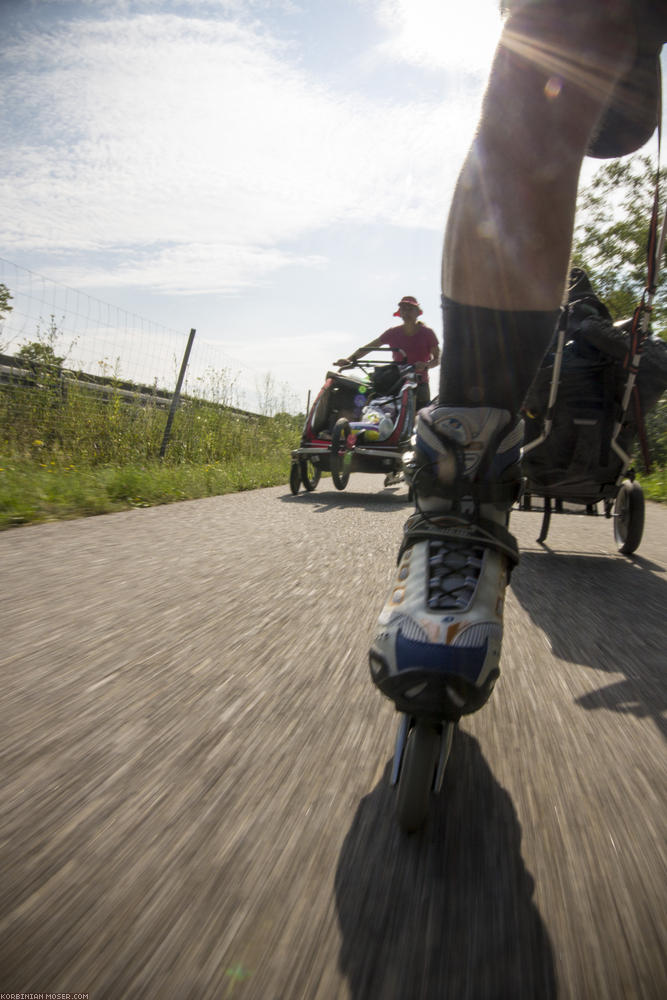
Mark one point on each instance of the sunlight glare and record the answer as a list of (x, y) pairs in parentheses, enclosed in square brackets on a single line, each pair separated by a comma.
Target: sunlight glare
[(441, 35)]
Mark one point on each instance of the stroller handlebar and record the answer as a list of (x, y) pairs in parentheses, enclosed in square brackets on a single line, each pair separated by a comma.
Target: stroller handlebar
[(344, 364)]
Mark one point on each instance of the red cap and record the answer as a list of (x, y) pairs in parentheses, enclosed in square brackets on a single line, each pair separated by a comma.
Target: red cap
[(408, 300)]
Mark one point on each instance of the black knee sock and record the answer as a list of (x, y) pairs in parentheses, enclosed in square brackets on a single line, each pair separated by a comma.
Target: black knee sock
[(490, 356)]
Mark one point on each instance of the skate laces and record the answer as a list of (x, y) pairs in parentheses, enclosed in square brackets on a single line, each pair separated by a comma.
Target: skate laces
[(454, 568), (468, 519), (462, 541)]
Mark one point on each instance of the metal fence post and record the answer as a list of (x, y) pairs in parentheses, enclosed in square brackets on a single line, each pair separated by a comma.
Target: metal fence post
[(175, 399)]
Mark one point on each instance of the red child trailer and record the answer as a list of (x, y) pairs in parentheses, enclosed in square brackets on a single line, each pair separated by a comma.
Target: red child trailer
[(357, 424)]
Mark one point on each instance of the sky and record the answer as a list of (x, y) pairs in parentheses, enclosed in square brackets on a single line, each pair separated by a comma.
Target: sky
[(273, 173)]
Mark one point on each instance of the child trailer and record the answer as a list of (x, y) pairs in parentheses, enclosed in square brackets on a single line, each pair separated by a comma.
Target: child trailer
[(584, 415), (357, 424)]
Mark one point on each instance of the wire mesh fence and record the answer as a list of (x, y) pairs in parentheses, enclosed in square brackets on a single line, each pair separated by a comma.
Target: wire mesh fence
[(97, 383)]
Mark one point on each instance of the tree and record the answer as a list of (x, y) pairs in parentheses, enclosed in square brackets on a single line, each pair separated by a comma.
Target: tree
[(611, 235), (40, 354), (5, 297)]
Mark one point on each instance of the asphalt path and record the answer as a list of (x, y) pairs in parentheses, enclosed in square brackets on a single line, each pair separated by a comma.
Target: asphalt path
[(195, 799)]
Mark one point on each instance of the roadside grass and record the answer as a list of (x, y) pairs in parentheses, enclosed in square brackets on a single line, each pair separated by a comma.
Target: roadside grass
[(32, 493), (655, 485), (66, 453)]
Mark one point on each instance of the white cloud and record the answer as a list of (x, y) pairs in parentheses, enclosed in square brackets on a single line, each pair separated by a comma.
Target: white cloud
[(190, 268), (236, 7), (200, 138)]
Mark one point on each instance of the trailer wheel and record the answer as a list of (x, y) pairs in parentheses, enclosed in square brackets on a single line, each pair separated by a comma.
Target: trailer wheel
[(294, 478), (310, 474), (341, 456), (629, 517)]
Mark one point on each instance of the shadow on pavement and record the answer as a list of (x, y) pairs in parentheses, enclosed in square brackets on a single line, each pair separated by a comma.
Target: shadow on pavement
[(602, 612), (447, 912), (323, 500)]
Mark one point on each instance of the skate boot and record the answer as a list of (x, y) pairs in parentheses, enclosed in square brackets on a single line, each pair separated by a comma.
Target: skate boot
[(437, 649)]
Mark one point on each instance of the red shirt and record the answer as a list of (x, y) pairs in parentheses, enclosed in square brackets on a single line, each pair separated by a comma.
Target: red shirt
[(419, 346)]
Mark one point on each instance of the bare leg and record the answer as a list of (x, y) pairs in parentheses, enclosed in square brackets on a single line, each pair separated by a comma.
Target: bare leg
[(507, 248), (508, 236)]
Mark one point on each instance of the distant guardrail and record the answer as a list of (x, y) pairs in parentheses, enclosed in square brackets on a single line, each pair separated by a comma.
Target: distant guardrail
[(13, 370)]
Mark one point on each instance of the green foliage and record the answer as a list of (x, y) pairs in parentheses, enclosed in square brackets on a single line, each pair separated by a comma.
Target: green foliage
[(656, 433), (40, 354), (611, 238), (69, 448), (5, 298), (31, 492), (73, 422), (655, 485), (611, 235)]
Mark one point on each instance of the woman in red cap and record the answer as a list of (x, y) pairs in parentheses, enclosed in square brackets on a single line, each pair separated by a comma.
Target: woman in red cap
[(412, 342)]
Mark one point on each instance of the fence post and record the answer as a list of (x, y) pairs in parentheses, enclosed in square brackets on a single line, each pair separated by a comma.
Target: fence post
[(175, 399)]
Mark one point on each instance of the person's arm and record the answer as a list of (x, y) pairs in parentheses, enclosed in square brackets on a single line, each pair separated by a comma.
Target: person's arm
[(359, 353), (434, 357)]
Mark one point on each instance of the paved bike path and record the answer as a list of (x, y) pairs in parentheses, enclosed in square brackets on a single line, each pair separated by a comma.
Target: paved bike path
[(195, 799)]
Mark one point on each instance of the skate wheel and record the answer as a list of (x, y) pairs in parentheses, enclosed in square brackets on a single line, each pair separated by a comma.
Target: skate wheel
[(415, 781)]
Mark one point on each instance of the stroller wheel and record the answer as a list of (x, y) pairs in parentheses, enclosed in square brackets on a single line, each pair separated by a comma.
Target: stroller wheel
[(294, 477), (341, 457), (310, 474), (629, 517)]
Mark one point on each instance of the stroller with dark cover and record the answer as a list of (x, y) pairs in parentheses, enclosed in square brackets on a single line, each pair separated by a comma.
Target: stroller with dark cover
[(584, 414), (357, 424)]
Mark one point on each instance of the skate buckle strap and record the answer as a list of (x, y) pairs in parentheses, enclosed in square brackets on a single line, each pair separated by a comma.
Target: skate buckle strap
[(505, 494), (448, 527)]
